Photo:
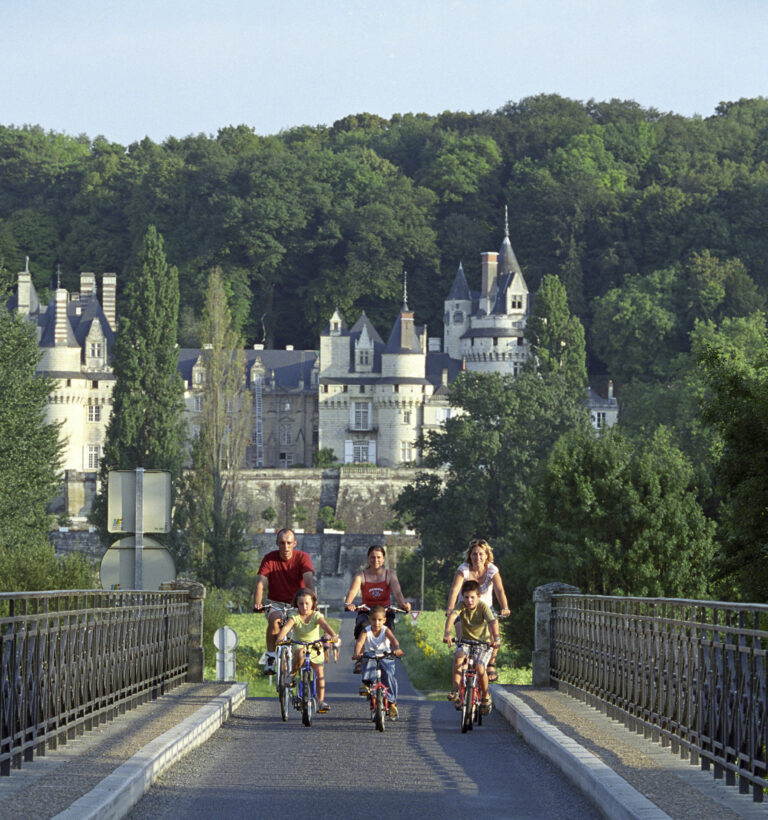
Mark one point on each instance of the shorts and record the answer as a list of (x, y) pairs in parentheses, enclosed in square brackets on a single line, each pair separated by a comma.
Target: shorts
[(482, 655)]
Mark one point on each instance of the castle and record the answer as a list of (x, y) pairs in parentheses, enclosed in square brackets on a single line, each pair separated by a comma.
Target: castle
[(365, 399)]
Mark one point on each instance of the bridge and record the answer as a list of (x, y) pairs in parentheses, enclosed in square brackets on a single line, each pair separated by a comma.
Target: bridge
[(204, 750)]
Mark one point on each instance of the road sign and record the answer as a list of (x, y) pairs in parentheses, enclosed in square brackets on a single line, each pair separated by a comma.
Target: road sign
[(155, 506), (118, 566)]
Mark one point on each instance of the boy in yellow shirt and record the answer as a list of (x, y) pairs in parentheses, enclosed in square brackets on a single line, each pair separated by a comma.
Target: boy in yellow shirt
[(476, 622)]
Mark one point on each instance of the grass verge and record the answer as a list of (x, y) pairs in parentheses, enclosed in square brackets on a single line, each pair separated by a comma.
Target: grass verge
[(251, 644)]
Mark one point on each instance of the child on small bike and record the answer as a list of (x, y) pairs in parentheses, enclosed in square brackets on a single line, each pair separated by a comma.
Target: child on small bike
[(309, 625), (476, 622), (377, 637)]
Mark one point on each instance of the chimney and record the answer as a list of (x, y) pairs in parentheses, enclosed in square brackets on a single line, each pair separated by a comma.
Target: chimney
[(60, 326), (24, 292), (610, 388), (87, 285), (108, 298), (490, 265), (444, 379)]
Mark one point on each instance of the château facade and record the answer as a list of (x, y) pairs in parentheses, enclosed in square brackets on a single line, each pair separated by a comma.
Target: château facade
[(367, 400)]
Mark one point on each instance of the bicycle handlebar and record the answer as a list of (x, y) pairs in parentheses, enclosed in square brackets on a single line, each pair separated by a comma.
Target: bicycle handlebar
[(364, 608), (372, 656)]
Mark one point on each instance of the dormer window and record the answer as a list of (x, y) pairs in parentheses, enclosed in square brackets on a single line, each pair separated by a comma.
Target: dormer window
[(96, 350), (458, 316)]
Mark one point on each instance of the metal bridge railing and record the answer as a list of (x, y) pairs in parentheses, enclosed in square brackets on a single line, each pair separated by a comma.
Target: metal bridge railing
[(72, 659), (689, 673)]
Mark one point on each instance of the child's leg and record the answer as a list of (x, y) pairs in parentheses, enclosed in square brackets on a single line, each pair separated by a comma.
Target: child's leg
[(298, 659), (482, 680), (320, 681), (459, 659), (389, 679), (368, 670)]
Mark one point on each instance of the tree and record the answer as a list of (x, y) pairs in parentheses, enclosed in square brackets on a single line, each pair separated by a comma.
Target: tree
[(617, 517), (146, 428), (489, 452), (556, 336), (217, 523), (29, 469), (737, 407)]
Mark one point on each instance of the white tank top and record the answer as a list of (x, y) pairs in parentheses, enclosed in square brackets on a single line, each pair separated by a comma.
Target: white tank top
[(374, 644)]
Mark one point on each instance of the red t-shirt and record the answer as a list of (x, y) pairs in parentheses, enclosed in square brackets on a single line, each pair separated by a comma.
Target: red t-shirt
[(375, 592), (285, 578)]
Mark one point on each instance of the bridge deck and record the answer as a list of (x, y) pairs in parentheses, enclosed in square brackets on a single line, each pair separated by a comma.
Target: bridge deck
[(49, 785)]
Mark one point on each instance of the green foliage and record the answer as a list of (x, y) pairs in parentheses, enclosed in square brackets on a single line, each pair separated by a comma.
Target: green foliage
[(269, 514), (556, 336), (328, 519), (300, 515), (490, 452), (736, 407), (325, 458), (146, 428), (216, 520)]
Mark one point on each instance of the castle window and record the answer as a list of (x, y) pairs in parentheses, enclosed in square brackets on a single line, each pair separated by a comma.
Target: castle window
[(93, 457), (396, 388), (360, 452), (198, 404), (198, 377), (285, 434), (406, 416), (495, 341), (362, 415), (363, 357), (96, 350), (362, 388), (458, 316), (286, 459), (406, 451), (95, 384), (599, 420), (94, 412)]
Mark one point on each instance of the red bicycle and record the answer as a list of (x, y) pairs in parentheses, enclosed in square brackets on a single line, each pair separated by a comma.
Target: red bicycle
[(379, 694), (469, 695)]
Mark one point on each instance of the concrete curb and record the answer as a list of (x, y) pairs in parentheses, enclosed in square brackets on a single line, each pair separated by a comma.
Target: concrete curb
[(610, 792), (118, 793)]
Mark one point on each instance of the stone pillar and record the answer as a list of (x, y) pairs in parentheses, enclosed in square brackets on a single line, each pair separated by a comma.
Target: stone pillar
[(542, 598), (195, 656)]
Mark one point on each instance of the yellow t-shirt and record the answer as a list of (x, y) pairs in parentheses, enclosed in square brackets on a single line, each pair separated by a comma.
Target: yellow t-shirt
[(309, 631)]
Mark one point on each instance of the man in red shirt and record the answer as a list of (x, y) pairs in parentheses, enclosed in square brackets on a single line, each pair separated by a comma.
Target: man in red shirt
[(286, 570)]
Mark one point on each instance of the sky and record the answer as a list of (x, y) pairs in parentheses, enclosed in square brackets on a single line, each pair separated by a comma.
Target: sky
[(126, 69)]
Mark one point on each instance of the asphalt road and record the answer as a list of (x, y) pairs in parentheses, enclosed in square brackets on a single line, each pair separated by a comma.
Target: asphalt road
[(420, 767)]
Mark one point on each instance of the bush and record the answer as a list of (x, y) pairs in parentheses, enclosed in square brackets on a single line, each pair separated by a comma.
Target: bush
[(215, 615), (36, 567)]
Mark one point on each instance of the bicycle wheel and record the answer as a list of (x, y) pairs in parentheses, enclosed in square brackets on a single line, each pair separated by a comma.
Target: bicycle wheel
[(306, 697), (467, 711), (283, 685), (380, 715)]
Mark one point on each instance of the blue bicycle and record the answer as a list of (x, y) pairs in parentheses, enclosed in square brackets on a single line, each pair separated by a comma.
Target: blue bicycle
[(305, 698)]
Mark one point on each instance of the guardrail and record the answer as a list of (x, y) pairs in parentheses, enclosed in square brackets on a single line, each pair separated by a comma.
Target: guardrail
[(691, 674), (72, 659)]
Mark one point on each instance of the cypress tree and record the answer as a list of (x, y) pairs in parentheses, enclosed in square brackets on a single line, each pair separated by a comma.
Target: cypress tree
[(146, 428)]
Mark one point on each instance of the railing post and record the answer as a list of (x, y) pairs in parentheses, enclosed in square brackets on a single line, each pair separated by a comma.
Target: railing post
[(195, 655), (542, 598)]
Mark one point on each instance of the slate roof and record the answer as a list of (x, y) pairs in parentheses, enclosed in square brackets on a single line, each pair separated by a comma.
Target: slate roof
[(459, 288)]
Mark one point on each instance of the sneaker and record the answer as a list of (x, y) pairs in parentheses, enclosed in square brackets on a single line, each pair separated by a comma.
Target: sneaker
[(323, 707), (269, 665), (454, 696), (485, 706), (365, 690), (392, 711)]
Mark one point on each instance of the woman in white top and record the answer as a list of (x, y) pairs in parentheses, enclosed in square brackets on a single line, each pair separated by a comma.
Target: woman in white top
[(479, 567)]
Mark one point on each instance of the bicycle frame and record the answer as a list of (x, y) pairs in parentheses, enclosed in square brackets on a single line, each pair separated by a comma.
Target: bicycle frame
[(305, 699), (469, 696), (379, 694)]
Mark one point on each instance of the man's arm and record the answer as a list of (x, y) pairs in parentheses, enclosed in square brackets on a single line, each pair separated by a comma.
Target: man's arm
[(309, 580), (258, 593), (358, 651), (449, 621)]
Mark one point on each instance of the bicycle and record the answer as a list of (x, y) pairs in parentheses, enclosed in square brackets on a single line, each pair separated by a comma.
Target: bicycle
[(469, 697), (284, 659), (305, 699), (378, 694)]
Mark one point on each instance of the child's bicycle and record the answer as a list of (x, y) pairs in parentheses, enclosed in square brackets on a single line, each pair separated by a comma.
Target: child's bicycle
[(379, 694), (305, 698), (469, 696)]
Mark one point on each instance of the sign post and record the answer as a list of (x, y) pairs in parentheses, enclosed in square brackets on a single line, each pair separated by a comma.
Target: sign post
[(139, 502)]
